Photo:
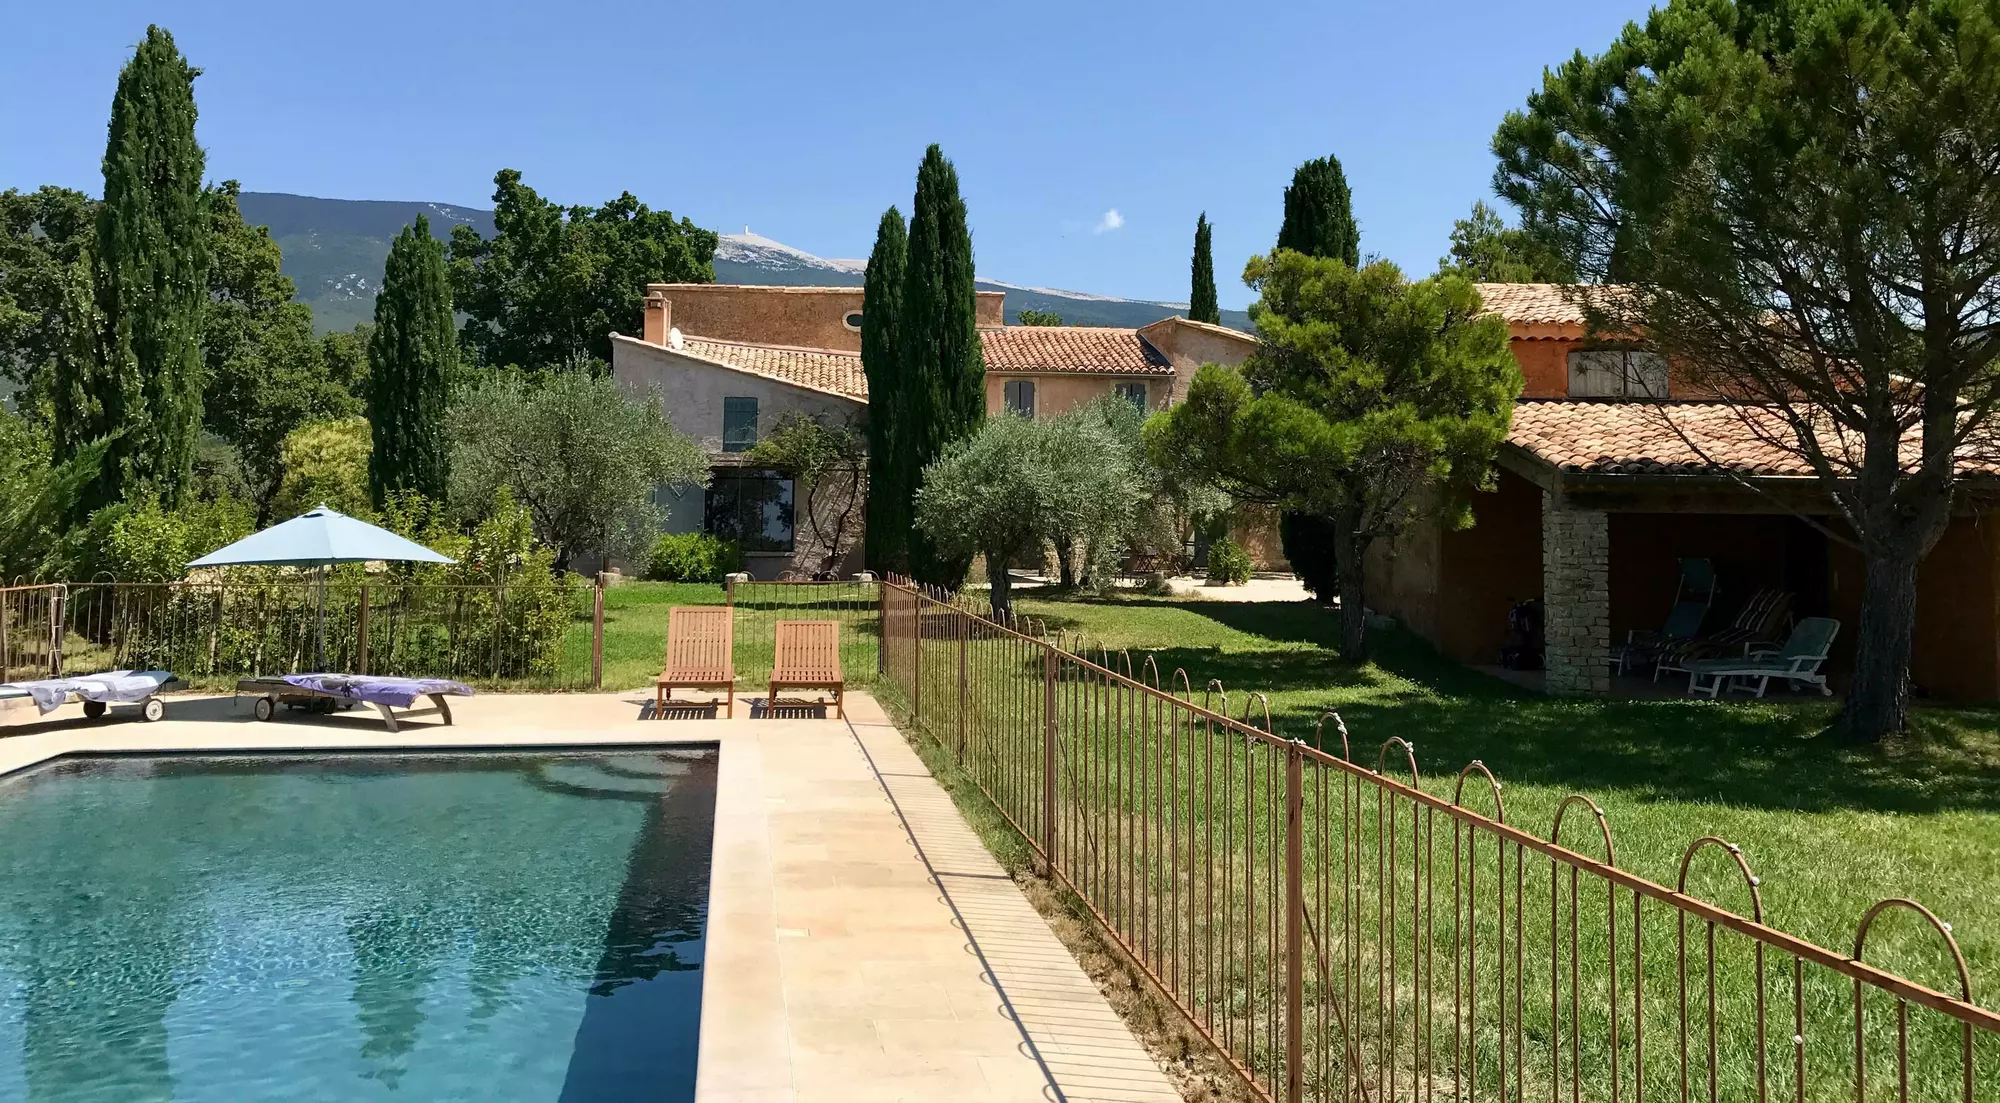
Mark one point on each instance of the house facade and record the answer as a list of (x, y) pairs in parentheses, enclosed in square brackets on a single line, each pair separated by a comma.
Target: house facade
[(732, 362), (1599, 496)]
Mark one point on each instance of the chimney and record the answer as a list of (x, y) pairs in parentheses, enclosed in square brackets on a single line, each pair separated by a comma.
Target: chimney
[(659, 317)]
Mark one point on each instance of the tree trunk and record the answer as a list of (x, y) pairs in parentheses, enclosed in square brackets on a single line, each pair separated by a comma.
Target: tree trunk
[(1878, 702), (1350, 555), (1001, 594), (1065, 562)]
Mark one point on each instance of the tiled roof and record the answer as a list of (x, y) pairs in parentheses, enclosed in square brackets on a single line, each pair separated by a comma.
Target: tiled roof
[(1087, 350), (1536, 304), (820, 369), (1674, 438)]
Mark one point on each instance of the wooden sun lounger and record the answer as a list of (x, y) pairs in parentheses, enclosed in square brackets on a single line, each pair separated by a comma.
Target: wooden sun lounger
[(808, 657), (272, 692), (701, 654)]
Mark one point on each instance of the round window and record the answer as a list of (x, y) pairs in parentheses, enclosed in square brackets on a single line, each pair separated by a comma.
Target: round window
[(853, 320)]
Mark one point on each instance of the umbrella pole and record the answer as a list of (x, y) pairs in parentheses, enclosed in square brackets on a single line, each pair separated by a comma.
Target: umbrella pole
[(319, 634)]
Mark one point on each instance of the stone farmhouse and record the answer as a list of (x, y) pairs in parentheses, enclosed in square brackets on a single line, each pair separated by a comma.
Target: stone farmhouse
[(733, 361), (1599, 497)]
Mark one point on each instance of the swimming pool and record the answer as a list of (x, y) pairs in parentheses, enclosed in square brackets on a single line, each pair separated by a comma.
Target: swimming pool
[(508, 926)]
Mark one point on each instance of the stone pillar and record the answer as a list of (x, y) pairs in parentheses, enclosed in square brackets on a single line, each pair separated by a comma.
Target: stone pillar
[(1576, 599)]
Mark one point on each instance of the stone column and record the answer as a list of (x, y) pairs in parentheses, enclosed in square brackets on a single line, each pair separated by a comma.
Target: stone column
[(1576, 599)]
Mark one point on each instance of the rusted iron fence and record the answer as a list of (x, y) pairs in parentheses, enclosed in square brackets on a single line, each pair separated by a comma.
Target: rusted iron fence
[(30, 644), (759, 606), (530, 635), (1341, 932)]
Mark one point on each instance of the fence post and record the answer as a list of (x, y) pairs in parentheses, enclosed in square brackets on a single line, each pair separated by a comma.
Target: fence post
[(917, 659), (964, 624), (1295, 912), (56, 626), (597, 633), (1049, 757), (361, 662), (882, 626)]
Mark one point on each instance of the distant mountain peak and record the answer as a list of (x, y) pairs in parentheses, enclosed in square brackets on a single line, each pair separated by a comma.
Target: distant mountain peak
[(756, 249)]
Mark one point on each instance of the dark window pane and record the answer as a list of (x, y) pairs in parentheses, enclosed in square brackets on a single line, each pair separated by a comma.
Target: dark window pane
[(1135, 393), (739, 424), (753, 508), (853, 321)]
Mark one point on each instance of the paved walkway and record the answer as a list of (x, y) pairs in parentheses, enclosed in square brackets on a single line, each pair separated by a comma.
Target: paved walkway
[(862, 943)]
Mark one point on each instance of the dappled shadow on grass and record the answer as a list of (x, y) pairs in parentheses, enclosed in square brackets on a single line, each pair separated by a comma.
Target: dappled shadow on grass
[(1762, 755)]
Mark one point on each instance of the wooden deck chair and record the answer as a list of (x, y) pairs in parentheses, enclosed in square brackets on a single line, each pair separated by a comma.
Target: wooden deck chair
[(808, 657), (701, 654)]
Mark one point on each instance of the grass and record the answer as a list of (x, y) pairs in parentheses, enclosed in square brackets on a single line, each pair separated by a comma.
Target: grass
[(635, 629), (1829, 829)]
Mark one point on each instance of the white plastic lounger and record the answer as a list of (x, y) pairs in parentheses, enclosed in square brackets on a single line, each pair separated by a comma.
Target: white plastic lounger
[(1797, 662), (97, 691), (326, 692)]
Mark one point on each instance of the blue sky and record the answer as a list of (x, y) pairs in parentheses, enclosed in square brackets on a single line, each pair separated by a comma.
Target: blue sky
[(804, 120)]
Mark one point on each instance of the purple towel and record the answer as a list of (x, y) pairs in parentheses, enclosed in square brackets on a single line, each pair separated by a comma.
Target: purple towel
[(400, 692)]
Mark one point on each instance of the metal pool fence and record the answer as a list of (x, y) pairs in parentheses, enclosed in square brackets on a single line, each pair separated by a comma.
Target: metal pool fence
[(207, 631), (1338, 932), (759, 606)]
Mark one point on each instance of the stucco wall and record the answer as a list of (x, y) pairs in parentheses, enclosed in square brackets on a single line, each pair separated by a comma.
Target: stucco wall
[(1057, 394), (806, 317), (693, 390), (1958, 613), (1544, 366), (1187, 347)]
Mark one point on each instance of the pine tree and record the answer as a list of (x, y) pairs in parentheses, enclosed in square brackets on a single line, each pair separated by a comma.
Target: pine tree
[(943, 397), (413, 361), (890, 487), (1319, 222), (1319, 213), (136, 339), (1201, 303)]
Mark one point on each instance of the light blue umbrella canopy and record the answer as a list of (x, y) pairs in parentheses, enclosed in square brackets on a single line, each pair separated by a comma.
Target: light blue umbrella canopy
[(319, 538)]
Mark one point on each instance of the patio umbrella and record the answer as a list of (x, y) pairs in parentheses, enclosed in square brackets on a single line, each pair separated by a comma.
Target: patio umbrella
[(318, 539)]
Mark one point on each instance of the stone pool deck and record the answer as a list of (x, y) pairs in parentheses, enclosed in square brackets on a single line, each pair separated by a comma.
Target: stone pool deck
[(862, 943)]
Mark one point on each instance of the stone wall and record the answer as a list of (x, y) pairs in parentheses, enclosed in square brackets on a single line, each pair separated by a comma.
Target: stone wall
[(801, 317), (1576, 599)]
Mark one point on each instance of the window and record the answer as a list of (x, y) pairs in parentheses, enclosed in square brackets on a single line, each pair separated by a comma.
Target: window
[(1020, 397), (852, 321), (739, 424), (1135, 393), (753, 508), (1617, 373)]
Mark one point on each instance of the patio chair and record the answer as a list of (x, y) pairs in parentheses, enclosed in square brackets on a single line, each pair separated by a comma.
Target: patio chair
[(1797, 662), (808, 657), (1693, 594), (1763, 619), (701, 654), (324, 693)]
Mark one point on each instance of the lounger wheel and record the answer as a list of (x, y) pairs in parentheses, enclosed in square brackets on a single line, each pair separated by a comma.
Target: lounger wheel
[(94, 709), (264, 708), (152, 708)]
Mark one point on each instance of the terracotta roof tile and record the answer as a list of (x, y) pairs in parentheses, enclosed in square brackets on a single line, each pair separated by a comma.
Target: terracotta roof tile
[(1675, 438), (1535, 304), (1088, 350), (820, 369)]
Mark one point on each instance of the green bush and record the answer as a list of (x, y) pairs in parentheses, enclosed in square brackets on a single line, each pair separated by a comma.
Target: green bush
[(1228, 563), (693, 557)]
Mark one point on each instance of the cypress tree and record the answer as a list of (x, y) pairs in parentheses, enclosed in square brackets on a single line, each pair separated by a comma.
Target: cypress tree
[(1319, 221), (136, 339), (943, 397), (412, 361), (1319, 213), (1201, 303), (890, 487)]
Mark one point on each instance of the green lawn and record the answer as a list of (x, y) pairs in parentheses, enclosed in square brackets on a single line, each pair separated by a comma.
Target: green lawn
[(1829, 829), (635, 629)]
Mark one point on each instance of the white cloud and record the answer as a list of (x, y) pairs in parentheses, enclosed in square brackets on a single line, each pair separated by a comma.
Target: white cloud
[(1112, 220)]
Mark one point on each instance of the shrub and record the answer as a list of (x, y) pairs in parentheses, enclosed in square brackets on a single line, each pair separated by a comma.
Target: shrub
[(1228, 563), (693, 557)]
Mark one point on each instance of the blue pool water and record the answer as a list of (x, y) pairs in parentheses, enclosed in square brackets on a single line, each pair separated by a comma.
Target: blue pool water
[(359, 927)]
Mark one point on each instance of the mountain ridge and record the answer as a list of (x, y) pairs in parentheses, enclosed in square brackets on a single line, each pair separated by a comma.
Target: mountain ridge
[(334, 250)]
